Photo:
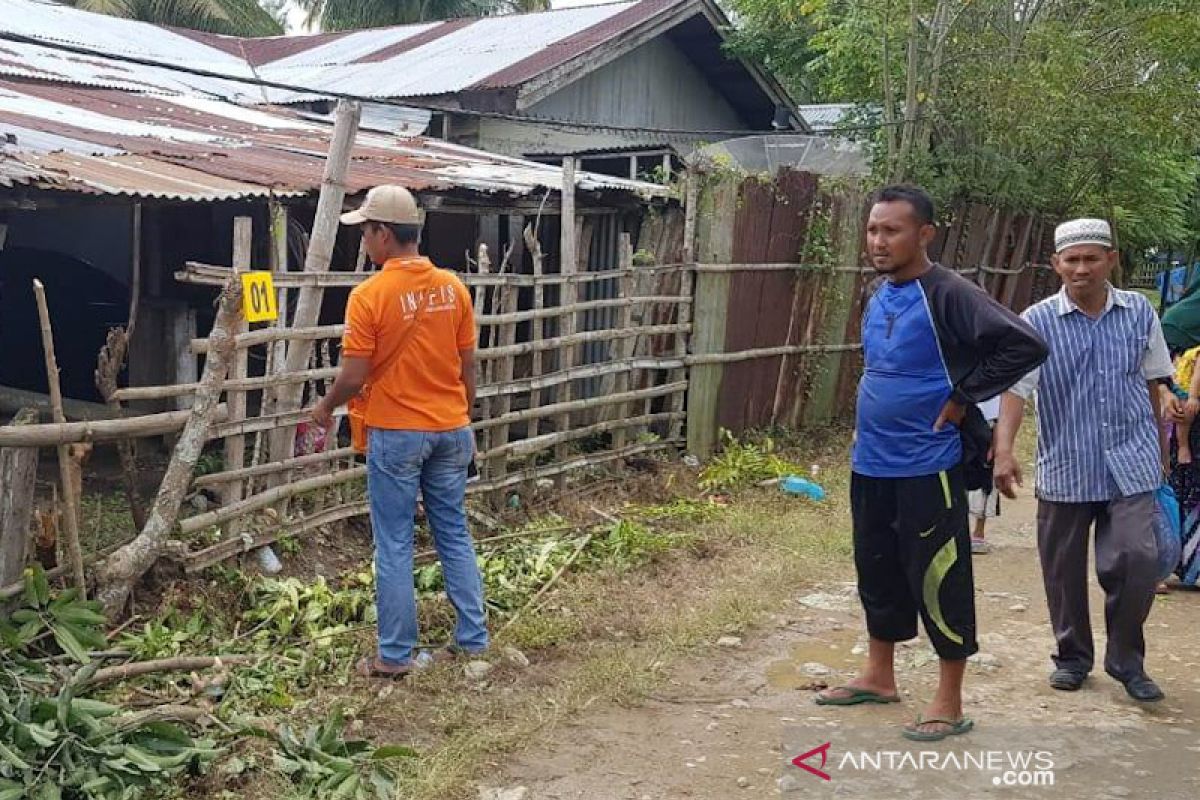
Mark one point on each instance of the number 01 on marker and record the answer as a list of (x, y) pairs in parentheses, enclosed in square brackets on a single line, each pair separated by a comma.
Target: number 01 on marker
[(258, 297)]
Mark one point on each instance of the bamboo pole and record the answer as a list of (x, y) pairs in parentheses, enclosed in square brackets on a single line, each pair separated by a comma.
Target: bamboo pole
[(233, 385), (620, 381), (537, 347), (197, 273), (536, 333), (569, 265), (105, 430), (506, 335), (569, 310), (70, 498), (285, 419), (534, 473), (483, 262), (235, 446), (526, 447), (124, 567), (686, 286), (266, 498), (276, 334), (317, 260), (769, 352), (276, 344), (274, 467), (561, 408), (523, 385), (202, 559)]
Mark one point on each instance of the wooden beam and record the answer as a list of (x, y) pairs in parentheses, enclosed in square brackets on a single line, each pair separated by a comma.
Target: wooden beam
[(716, 213), (107, 430), (18, 479)]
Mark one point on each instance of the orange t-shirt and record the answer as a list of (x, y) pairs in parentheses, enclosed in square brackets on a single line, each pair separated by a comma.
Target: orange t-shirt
[(421, 388)]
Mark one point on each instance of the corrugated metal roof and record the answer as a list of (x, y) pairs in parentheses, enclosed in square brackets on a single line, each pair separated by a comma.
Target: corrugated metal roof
[(114, 142), (824, 115), (137, 176), (402, 61), (51, 22), (14, 172), (464, 57)]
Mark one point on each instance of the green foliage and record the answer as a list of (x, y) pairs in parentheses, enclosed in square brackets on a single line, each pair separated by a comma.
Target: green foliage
[(514, 572), (232, 17), (1059, 107), (57, 742), (741, 464), (324, 764), (340, 15)]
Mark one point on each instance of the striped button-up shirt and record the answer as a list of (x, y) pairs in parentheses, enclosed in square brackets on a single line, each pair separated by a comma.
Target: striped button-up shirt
[(1097, 438)]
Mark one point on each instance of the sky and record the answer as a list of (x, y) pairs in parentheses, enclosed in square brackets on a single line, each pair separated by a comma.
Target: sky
[(296, 16)]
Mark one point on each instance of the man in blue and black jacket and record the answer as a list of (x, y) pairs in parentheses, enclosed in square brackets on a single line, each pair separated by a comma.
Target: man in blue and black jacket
[(934, 344)]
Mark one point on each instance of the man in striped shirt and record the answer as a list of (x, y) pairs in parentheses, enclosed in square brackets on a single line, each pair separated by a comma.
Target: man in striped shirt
[(1100, 455)]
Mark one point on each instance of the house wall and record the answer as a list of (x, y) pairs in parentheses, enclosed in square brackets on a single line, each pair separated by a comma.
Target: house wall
[(654, 86)]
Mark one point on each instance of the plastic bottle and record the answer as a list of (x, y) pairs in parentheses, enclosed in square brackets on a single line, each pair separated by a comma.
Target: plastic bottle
[(794, 484)]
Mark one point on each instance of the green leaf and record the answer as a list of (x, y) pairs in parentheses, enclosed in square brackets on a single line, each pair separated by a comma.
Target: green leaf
[(93, 708), (77, 615), (25, 615), (7, 755), (65, 598), (69, 643)]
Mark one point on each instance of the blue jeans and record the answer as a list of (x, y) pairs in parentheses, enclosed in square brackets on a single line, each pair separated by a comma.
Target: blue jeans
[(398, 464)]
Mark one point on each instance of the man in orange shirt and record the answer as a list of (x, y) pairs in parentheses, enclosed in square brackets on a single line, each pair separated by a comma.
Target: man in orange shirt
[(410, 337)]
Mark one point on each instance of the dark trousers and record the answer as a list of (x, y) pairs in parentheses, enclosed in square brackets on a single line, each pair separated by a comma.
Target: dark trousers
[(1126, 564), (912, 553)]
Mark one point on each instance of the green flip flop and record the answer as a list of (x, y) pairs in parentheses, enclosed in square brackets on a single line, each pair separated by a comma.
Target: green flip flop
[(956, 728), (855, 697)]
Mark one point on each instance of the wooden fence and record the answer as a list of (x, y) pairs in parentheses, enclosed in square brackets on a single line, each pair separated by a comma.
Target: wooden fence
[(738, 309)]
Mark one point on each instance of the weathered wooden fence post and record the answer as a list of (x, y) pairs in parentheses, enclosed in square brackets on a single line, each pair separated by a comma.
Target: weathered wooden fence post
[(18, 474), (714, 234), (846, 232)]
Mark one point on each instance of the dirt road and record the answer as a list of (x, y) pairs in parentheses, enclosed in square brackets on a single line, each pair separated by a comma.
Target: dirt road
[(728, 725)]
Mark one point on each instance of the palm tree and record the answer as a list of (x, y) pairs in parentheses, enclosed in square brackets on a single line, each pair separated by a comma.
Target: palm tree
[(234, 17), (341, 15)]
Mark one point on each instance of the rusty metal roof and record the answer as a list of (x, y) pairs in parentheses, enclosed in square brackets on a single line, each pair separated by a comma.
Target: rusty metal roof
[(108, 141), (399, 61)]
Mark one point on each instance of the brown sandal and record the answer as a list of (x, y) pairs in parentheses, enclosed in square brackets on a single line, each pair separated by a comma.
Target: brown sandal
[(372, 667)]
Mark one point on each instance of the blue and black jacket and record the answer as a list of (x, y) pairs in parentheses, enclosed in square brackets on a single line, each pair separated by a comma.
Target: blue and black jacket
[(926, 341)]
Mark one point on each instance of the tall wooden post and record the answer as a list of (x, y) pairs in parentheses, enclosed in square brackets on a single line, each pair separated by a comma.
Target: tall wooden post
[(846, 232), (70, 498), (235, 446), (318, 258), (18, 476), (569, 293), (683, 311), (717, 211)]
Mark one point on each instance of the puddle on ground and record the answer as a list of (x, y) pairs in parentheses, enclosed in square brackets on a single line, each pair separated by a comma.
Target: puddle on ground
[(815, 660)]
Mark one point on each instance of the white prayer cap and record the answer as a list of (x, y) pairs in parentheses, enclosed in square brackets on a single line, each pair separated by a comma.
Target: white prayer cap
[(1082, 231)]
